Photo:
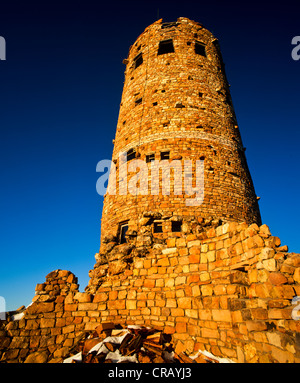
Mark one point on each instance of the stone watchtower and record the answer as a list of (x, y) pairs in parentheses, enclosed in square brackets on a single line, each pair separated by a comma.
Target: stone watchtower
[(176, 106), (181, 249)]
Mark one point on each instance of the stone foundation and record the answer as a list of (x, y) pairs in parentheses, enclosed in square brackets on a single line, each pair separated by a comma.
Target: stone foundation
[(227, 290)]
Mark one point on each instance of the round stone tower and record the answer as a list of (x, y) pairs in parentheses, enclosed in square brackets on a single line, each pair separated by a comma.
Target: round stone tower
[(178, 157)]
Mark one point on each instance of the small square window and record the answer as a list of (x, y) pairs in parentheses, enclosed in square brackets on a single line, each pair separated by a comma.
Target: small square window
[(165, 46), (158, 227), (200, 49), (123, 231), (138, 60), (131, 154), (176, 226), (150, 157), (165, 155)]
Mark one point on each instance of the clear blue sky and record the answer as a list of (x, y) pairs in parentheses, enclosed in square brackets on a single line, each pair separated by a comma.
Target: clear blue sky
[(61, 88)]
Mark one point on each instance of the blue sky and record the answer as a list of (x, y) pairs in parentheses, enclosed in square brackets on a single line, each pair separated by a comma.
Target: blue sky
[(61, 88)]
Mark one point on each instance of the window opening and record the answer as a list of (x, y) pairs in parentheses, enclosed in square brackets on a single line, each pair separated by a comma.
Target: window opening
[(200, 49), (165, 155), (176, 226), (150, 157), (165, 46), (131, 154), (158, 227), (138, 101), (138, 60), (123, 231)]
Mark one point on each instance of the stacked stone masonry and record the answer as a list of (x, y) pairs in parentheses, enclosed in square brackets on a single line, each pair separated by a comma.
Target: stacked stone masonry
[(179, 102), (209, 274), (228, 290)]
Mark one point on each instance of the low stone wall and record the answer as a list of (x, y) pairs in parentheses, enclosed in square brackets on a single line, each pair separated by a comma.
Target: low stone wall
[(228, 290)]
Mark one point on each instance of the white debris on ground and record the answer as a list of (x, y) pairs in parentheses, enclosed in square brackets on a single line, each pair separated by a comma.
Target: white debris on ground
[(100, 350), (209, 356)]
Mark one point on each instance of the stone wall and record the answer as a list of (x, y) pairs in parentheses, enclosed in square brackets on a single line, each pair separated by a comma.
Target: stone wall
[(227, 290)]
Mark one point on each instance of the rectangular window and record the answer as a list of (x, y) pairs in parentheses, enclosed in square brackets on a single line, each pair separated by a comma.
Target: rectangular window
[(131, 154), (158, 227), (150, 157), (165, 46), (200, 49), (123, 231), (165, 155), (138, 60), (176, 226)]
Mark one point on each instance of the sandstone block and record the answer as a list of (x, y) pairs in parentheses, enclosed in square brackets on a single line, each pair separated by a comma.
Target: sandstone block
[(168, 251), (83, 297), (206, 290), (180, 327), (266, 253), (191, 313), (131, 304), (100, 297), (150, 283), (221, 315), (180, 281), (270, 264), (195, 243), (113, 295), (47, 323), (62, 352), (71, 307), (205, 314), (176, 312), (277, 278), (204, 276), (87, 306), (171, 303), (264, 231), (171, 242), (180, 347), (185, 303), (40, 287), (180, 242), (169, 282), (37, 357), (296, 275), (116, 305), (209, 333), (40, 307), (163, 262)]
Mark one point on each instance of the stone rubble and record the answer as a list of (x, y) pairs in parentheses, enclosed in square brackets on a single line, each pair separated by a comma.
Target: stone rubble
[(215, 291)]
